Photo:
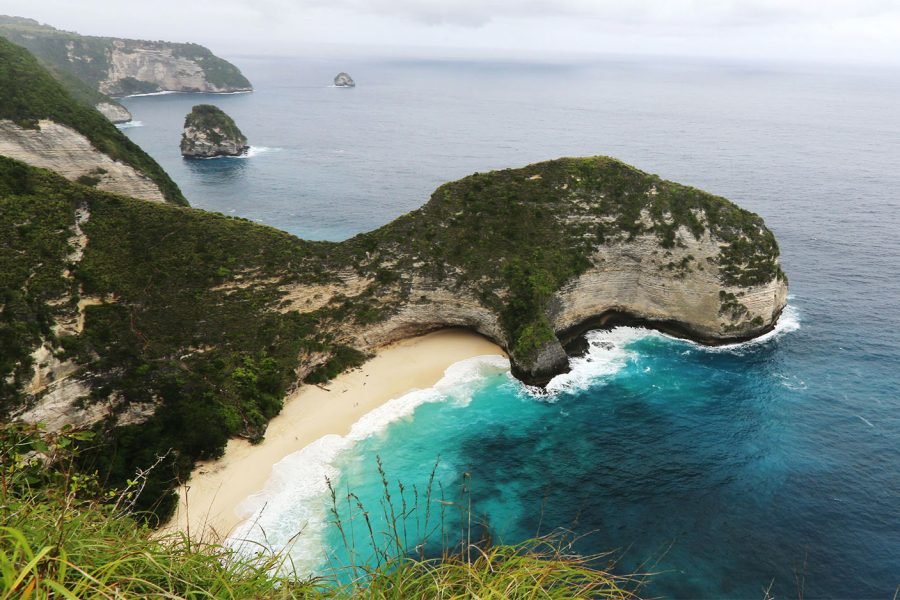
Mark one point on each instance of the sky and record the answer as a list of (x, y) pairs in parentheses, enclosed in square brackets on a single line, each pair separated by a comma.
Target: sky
[(839, 31)]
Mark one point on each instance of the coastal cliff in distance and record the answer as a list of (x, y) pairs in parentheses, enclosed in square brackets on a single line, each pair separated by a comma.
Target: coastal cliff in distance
[(109, 67), (41, 124), (179, 345)]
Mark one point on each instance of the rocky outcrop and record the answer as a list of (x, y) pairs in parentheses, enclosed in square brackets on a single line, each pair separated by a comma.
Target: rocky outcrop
[(209, 132), (344, 80), (69, 153), (114, 112)]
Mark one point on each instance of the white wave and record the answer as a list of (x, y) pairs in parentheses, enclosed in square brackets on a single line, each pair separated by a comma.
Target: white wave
[(250, 153), (606, 355), (294, 500), (130, 124), (163, 93), (788, 321), (257, 150)]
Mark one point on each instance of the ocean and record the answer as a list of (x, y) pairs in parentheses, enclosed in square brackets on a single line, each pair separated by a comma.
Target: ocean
[(772, 465)]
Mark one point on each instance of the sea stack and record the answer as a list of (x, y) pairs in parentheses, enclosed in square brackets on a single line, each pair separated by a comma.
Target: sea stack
[(344, 80), (209, 132)]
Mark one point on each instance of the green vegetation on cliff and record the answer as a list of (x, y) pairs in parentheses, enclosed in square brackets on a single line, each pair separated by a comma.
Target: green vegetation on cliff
[(211, 320), (213, 126), (28, 93), (86, 58), (49, 46)]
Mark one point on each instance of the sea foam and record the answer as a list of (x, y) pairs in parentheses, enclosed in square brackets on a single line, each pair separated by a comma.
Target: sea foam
[(290, 513), (130, 124)]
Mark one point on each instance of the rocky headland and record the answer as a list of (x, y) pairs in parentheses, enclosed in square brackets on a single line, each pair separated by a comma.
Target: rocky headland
[(344, 80), (201, 336), (43, 125), (209, 132), (96, 69), (170, 329)]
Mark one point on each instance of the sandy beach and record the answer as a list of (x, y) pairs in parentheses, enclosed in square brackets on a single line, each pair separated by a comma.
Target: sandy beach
[(207, 509)]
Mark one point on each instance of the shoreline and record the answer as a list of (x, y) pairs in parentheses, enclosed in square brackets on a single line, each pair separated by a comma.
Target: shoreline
[(208, 502)]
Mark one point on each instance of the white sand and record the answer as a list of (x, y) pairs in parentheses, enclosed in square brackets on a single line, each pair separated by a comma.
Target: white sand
[(207, 509)]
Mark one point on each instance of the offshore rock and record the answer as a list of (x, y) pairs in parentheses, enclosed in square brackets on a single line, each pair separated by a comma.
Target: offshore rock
[(344, 80), (209, 132)]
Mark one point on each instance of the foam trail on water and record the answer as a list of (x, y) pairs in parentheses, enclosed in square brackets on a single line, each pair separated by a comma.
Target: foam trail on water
[(130, 124), (165, 93), (608, 352), (295, 499)]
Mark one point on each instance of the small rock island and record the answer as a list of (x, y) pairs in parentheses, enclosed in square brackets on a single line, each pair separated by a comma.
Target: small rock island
[(344, 80), (209, 132)]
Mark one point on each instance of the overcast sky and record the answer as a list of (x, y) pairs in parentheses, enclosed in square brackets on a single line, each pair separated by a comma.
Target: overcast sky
[(865, 31)]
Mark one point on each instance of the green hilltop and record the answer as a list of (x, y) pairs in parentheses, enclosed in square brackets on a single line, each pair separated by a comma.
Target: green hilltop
[(73, 57), (193, 310), (28, 93)]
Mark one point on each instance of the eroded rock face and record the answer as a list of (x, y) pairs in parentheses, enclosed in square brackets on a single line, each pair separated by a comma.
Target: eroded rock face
[(344, 80), (114, 112), (64, 150), (209, 132), (141, 67)]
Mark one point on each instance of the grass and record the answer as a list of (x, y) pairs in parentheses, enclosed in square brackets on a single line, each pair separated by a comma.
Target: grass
[(63, 537)]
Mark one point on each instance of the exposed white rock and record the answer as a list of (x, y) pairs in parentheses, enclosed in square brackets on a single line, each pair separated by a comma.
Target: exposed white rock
[(344, 80), (159, 66), (114, 112), (647, 281), (64, 150)]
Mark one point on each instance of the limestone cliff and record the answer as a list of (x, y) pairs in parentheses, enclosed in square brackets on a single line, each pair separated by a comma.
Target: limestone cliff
[(69, 153), (41, 124), (201, 337), (209, 132), (120, 67)]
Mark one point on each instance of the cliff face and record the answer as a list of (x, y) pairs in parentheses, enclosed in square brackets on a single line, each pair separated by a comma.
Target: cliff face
[(136, 66), (209, 132), (41, 124), (64, 150), (119, 67), (200, 337)]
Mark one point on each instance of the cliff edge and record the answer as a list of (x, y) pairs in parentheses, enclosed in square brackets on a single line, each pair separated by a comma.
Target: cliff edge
[(94, 69), (170, 348), (42, 125)]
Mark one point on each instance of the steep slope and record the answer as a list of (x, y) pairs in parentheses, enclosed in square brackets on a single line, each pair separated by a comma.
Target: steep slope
[(179, 345), (119, 67), (42, 125)]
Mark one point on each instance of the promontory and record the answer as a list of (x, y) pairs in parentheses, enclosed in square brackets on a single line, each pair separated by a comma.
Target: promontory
[(171, 329), (95, 69)]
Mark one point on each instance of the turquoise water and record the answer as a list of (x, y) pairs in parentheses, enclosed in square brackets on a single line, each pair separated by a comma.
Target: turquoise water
[(724, 471)]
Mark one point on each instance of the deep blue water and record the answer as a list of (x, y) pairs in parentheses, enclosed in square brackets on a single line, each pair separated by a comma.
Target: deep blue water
[(723, 471)]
